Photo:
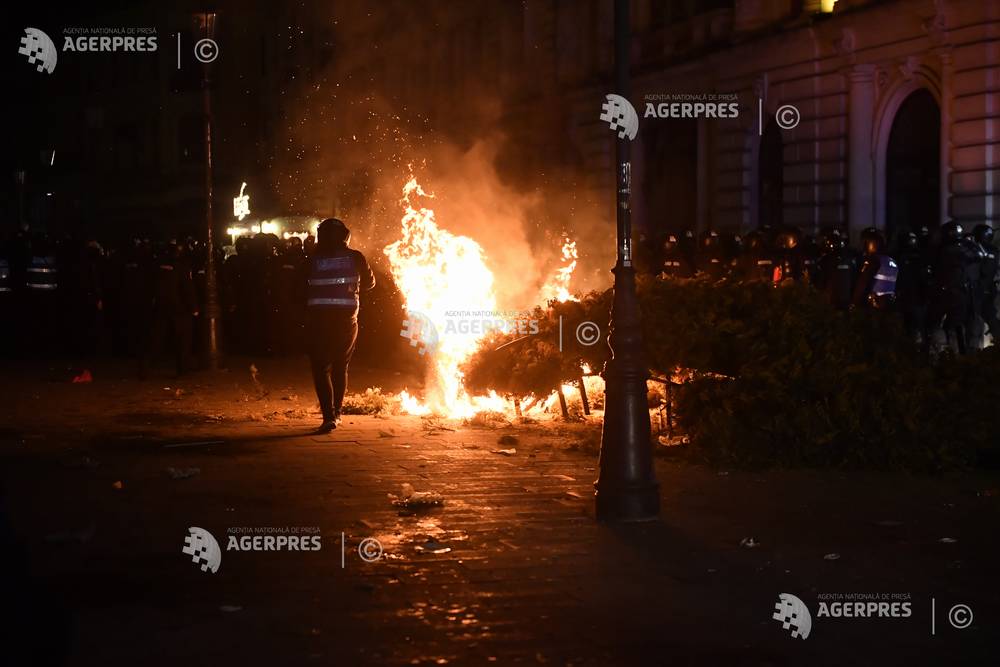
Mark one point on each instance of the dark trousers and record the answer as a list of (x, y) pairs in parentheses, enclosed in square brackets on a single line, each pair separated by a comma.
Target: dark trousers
[(172, 326), (332, 335)]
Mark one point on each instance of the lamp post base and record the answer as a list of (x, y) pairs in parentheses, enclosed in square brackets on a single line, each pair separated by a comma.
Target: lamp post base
[(626, 489)]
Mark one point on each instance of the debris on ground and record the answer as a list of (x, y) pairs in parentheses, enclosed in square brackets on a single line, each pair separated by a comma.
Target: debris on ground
[(183, 473), (488, 419), (80, 535), (290, 397), (386, 434), (118, 485), (84, 377), (507, 440), (749, 543), (832, 556), (947, 540), (178, 392), (230, 608), (504, 452), (432, 546), (411, 499)]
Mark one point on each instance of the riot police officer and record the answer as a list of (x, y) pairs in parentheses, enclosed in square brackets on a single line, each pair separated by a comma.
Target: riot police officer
[(337, 274), (788, 260), (948, 307), (912, 285), (987, 283), (711, 258), (675, 263), (838, 270), (877, 277), (174, 306), (757, 262)]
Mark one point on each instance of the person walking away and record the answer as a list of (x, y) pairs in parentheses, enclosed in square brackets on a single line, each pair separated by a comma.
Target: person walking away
[(337, 275)]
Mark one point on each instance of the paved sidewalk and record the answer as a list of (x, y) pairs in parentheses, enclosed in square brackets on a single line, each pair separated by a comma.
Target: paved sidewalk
[(513, 569)]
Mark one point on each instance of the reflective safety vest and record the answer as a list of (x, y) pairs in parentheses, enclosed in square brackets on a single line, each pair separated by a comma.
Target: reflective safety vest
[(42, 274), (885, 277), (333, 283), (5, 283)]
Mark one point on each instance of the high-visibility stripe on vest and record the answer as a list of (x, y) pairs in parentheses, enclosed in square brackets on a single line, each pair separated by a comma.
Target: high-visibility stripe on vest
[(333, 283), (42, 274), (5, 285), (885, 276)]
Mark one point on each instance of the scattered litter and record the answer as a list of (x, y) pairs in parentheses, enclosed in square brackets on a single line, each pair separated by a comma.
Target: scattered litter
[(178, 392), (81, 535), (183, 473), (118, 485), (749, 543), (723, 473), (574, 494), (711, 570), (386, 434), (290, 397), (832, 556), (504, 452), (415, 499), (230, 608), (194, 444), (565, 478), (947, 540), (507, 440), (83, 378), (432, 546)]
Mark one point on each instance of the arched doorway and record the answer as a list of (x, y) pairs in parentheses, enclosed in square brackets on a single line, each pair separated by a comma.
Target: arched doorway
[(913, 167), (771, 184)]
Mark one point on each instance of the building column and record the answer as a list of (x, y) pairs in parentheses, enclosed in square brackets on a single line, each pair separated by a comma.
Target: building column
[(702, 175), (860, 153), (947, 70)]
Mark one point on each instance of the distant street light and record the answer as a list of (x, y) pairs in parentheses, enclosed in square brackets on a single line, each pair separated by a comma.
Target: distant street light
[(626, 488)]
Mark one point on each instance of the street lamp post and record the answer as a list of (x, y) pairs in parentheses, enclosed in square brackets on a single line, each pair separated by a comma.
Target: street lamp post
[(626, 487), (212, 314)]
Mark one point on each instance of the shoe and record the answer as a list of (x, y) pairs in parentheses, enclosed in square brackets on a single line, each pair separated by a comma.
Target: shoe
[(325, 427), (337, 419)]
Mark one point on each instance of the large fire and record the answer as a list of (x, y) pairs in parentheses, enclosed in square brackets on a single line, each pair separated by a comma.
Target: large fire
[(557, 288), (444, 278)]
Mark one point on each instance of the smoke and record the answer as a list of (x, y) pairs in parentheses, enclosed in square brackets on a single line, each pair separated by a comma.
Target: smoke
[(381, 112)]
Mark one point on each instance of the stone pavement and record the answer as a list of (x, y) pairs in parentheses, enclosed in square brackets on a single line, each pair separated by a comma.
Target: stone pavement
[(512, 569)]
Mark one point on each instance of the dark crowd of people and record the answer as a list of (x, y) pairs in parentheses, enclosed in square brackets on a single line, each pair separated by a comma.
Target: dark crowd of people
[(146, 300), (942, 284)]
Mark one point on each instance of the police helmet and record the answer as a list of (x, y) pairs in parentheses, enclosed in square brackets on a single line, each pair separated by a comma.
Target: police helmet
[(983, 233), (951, 232), (872, 241)]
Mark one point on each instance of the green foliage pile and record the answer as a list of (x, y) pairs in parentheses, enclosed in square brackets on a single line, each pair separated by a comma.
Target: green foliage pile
[(785, 380)]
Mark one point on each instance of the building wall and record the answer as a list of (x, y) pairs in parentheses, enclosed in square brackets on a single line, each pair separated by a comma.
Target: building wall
[(847, 72)]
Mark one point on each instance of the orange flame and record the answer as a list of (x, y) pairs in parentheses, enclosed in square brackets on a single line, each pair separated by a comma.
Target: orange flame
[(557, 288)]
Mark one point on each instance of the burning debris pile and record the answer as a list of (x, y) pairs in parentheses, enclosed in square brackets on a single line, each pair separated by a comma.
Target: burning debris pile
[(452, 310)]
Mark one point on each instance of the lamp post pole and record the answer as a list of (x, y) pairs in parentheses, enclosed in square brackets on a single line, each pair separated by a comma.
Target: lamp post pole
[(212, 314), (626, 487)]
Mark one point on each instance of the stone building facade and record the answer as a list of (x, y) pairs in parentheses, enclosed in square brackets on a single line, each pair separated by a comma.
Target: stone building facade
[(898, 110)]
